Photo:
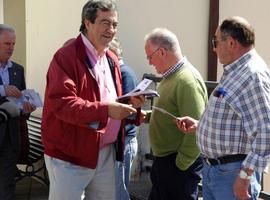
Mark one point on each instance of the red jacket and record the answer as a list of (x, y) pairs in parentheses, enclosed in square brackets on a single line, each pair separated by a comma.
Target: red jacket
[(72, 102)]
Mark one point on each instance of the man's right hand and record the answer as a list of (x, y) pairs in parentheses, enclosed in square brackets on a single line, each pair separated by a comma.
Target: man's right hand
[(12, 91), (186, 124), (120, 111)]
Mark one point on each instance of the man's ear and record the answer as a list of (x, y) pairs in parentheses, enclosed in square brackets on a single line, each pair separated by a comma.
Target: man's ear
[(230, 42), (87, 24), (162, 51)]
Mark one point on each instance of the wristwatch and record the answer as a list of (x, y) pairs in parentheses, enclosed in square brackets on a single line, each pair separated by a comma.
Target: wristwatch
[(243, 175)]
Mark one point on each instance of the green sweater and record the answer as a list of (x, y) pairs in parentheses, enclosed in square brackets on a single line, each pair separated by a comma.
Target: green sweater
[(182, 93)]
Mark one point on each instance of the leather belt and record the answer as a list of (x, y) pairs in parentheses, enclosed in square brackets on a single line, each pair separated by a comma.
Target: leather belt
[(225, 159)]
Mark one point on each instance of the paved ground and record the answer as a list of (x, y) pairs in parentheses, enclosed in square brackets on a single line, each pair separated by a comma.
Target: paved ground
[(139, 190), (30, 189)]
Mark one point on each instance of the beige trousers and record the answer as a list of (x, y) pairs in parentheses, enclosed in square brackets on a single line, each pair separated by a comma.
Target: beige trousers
[(73, 182)]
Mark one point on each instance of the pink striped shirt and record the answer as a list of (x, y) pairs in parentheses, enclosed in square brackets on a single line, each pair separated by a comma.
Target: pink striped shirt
[(106, 87)]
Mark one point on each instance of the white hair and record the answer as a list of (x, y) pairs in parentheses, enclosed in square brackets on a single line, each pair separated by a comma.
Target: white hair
[(162, 37)]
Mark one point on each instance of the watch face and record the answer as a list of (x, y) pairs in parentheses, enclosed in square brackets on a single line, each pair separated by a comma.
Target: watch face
[(244, 175)]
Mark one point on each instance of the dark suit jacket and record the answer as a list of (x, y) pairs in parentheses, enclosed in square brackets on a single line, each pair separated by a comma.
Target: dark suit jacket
[(16, 78)]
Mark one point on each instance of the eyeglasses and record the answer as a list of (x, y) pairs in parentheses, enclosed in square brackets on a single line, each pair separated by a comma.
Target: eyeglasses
[(149, 57), (215, 41)]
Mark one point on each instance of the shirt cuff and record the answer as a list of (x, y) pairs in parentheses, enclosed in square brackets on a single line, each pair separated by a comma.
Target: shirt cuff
[(255, 162)]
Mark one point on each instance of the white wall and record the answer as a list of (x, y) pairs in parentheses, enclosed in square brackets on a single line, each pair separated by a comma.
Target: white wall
[(18, 22), (49, 23), (1, 12), (187, 19)]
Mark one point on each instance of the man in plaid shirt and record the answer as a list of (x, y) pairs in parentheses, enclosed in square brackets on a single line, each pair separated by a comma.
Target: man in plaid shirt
[(233, 134)]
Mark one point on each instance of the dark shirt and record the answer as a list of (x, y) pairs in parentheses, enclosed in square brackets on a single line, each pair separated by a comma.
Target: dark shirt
[(129, 80)]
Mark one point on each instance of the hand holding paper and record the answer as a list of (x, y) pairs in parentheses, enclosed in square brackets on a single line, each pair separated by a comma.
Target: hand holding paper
[(186, 124)]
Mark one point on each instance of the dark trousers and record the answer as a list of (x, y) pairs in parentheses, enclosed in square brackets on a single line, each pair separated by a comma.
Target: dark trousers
[(170, 183), (8, 160)]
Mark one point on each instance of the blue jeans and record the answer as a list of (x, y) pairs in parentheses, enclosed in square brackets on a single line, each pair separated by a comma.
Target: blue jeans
[(218, 181), (123, 169)]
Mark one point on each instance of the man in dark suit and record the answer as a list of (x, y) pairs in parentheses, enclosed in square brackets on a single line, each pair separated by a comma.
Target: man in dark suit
[(12, 81)]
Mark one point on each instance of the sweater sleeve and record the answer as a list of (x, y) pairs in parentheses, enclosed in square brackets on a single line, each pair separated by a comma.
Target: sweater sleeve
[(191, 103)]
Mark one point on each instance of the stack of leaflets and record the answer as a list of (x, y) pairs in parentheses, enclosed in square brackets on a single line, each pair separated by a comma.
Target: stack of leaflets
[(141, 89)]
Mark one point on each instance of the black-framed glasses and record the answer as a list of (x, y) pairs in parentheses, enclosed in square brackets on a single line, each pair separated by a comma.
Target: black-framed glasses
[(215, 41), (149, 57)]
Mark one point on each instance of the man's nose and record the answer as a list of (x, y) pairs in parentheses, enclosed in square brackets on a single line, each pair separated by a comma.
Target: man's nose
[(112, 28), (11, 47)]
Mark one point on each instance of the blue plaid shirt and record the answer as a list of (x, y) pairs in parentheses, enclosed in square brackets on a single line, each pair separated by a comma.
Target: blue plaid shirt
[(237, 118)]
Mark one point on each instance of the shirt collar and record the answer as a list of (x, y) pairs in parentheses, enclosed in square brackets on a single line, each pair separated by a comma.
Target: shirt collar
[(91, 48), (240, 61), (174, 68), (5, 66)]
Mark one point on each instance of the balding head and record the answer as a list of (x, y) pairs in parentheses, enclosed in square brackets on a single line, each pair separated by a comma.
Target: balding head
[(239, 29)]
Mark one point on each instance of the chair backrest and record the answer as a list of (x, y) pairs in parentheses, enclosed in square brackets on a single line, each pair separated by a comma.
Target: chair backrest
[(31, 146), (24, 149), (210, 85)]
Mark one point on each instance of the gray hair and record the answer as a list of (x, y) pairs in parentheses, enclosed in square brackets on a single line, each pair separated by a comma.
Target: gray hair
[(4, 27), (91, 8), (162, 37)]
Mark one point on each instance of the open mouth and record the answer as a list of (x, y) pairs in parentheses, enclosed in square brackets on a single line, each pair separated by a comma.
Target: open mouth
[(107, 36)]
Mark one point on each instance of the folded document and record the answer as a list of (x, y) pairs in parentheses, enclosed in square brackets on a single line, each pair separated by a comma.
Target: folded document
[(146, 93), (141, 89)]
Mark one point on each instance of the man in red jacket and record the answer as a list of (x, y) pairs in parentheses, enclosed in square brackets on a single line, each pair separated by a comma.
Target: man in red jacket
[(82, 122)]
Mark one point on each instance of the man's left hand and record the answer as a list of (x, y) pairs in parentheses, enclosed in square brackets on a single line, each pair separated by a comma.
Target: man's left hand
[(28, 107), (240, 188)]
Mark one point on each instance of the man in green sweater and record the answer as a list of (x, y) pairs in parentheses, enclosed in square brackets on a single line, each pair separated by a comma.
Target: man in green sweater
[(176, 170)]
